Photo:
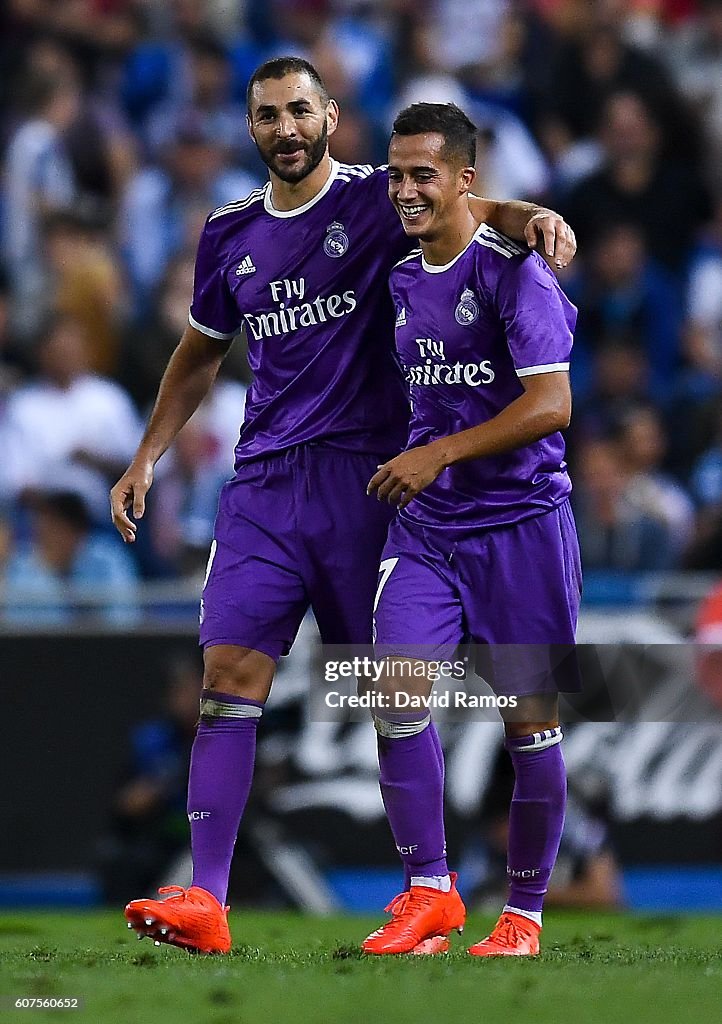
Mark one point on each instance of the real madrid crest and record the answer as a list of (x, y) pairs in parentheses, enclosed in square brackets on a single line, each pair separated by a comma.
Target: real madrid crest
[(468, 308), (336, 242)]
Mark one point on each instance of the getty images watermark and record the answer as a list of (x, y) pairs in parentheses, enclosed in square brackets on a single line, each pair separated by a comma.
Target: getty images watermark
[(609, 682), (395, 671)]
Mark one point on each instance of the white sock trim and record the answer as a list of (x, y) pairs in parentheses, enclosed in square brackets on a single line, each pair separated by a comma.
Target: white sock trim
[(212, 708), (440, 882), (531, 915), (400, 730), (540, 741)]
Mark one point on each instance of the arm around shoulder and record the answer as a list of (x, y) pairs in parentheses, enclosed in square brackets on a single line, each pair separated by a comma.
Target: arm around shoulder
[(534, 225)]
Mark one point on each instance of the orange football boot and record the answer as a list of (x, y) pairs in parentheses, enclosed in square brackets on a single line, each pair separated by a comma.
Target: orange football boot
[(190, 918), (421, 920), (513, 935)]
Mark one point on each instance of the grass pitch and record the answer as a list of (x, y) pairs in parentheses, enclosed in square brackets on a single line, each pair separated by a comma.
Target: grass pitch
[(289, 969)]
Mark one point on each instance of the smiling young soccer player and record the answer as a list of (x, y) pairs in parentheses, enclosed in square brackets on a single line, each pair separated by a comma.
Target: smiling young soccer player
[(484, 547), (302, 265)]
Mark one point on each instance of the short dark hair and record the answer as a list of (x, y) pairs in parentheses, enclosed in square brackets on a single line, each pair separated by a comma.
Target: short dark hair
[(278, 68), (448, 120)]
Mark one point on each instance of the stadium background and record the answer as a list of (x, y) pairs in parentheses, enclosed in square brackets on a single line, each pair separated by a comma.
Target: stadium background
[(122, 126)]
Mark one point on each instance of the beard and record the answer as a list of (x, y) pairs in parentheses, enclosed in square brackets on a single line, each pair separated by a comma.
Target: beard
[(314, 150)]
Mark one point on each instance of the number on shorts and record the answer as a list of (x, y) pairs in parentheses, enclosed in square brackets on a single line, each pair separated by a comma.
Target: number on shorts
[(385, 569), (211, 556)]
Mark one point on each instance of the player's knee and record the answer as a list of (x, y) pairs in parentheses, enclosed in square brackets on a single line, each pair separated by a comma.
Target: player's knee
[(239, 671), (531, 715), (399, 726)]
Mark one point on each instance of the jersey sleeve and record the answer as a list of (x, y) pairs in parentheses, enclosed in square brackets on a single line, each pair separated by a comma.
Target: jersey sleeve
[(393, 287), (213, 309), (538, 318)]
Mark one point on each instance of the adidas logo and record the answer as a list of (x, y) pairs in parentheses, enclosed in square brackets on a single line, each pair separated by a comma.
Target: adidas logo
[(246, 266), (401, 317)]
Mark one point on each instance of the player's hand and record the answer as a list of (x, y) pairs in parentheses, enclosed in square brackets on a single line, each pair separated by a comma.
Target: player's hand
[(401, 479), (129, 494), (550, 233)]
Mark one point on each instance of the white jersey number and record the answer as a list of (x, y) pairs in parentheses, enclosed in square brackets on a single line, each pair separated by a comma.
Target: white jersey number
[(385, 569)]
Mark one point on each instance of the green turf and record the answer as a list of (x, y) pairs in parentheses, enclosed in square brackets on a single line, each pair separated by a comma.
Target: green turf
[(285, 968)]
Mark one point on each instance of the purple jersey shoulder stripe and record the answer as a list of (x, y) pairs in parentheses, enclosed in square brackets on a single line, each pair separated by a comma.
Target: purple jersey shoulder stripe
[(239, 204)]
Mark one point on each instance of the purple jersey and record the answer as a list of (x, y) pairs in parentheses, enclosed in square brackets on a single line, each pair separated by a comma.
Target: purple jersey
[(465, 333), (310, 288)]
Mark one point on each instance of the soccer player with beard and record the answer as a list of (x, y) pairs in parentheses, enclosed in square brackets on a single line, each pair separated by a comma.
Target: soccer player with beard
[(302, 265), (484, 547)]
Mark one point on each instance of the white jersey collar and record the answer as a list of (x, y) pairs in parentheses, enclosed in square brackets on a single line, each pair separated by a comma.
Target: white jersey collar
[(433, 268), (270, 208)]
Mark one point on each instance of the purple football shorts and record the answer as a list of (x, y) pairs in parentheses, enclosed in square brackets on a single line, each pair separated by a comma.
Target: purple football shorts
[(513, 592), (293, 531)]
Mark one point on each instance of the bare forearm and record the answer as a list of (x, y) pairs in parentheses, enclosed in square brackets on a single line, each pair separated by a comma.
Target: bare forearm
[(530, 224), (528, 418), (521, 423), (511, 216), (188, 378)]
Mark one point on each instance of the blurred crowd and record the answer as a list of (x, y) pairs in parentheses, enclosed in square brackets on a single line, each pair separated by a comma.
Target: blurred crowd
[(124, 125)]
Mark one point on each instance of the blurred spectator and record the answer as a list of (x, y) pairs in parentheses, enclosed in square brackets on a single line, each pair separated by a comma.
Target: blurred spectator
[(509, 162), (706, 487), (149, 345), (694, 51), (183, 505), (12, 354), (649, 489), (619, 378), (354, 141), (6, 538), (63, 561), (706, 475), (101, 150), (165, 205), (158, 68), (664, 198), (615, 534), (621, 293), (207, 98), (355, 48), (703, 336), (595, 63), (85, 284), (468, 33), (67, 428), (97, 32), (148, 825), (38, 179)]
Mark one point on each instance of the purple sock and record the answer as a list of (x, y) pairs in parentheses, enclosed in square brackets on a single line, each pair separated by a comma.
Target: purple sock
[(434, 732), (412, 786), (438, 748), (219, 782), (536, 816)]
